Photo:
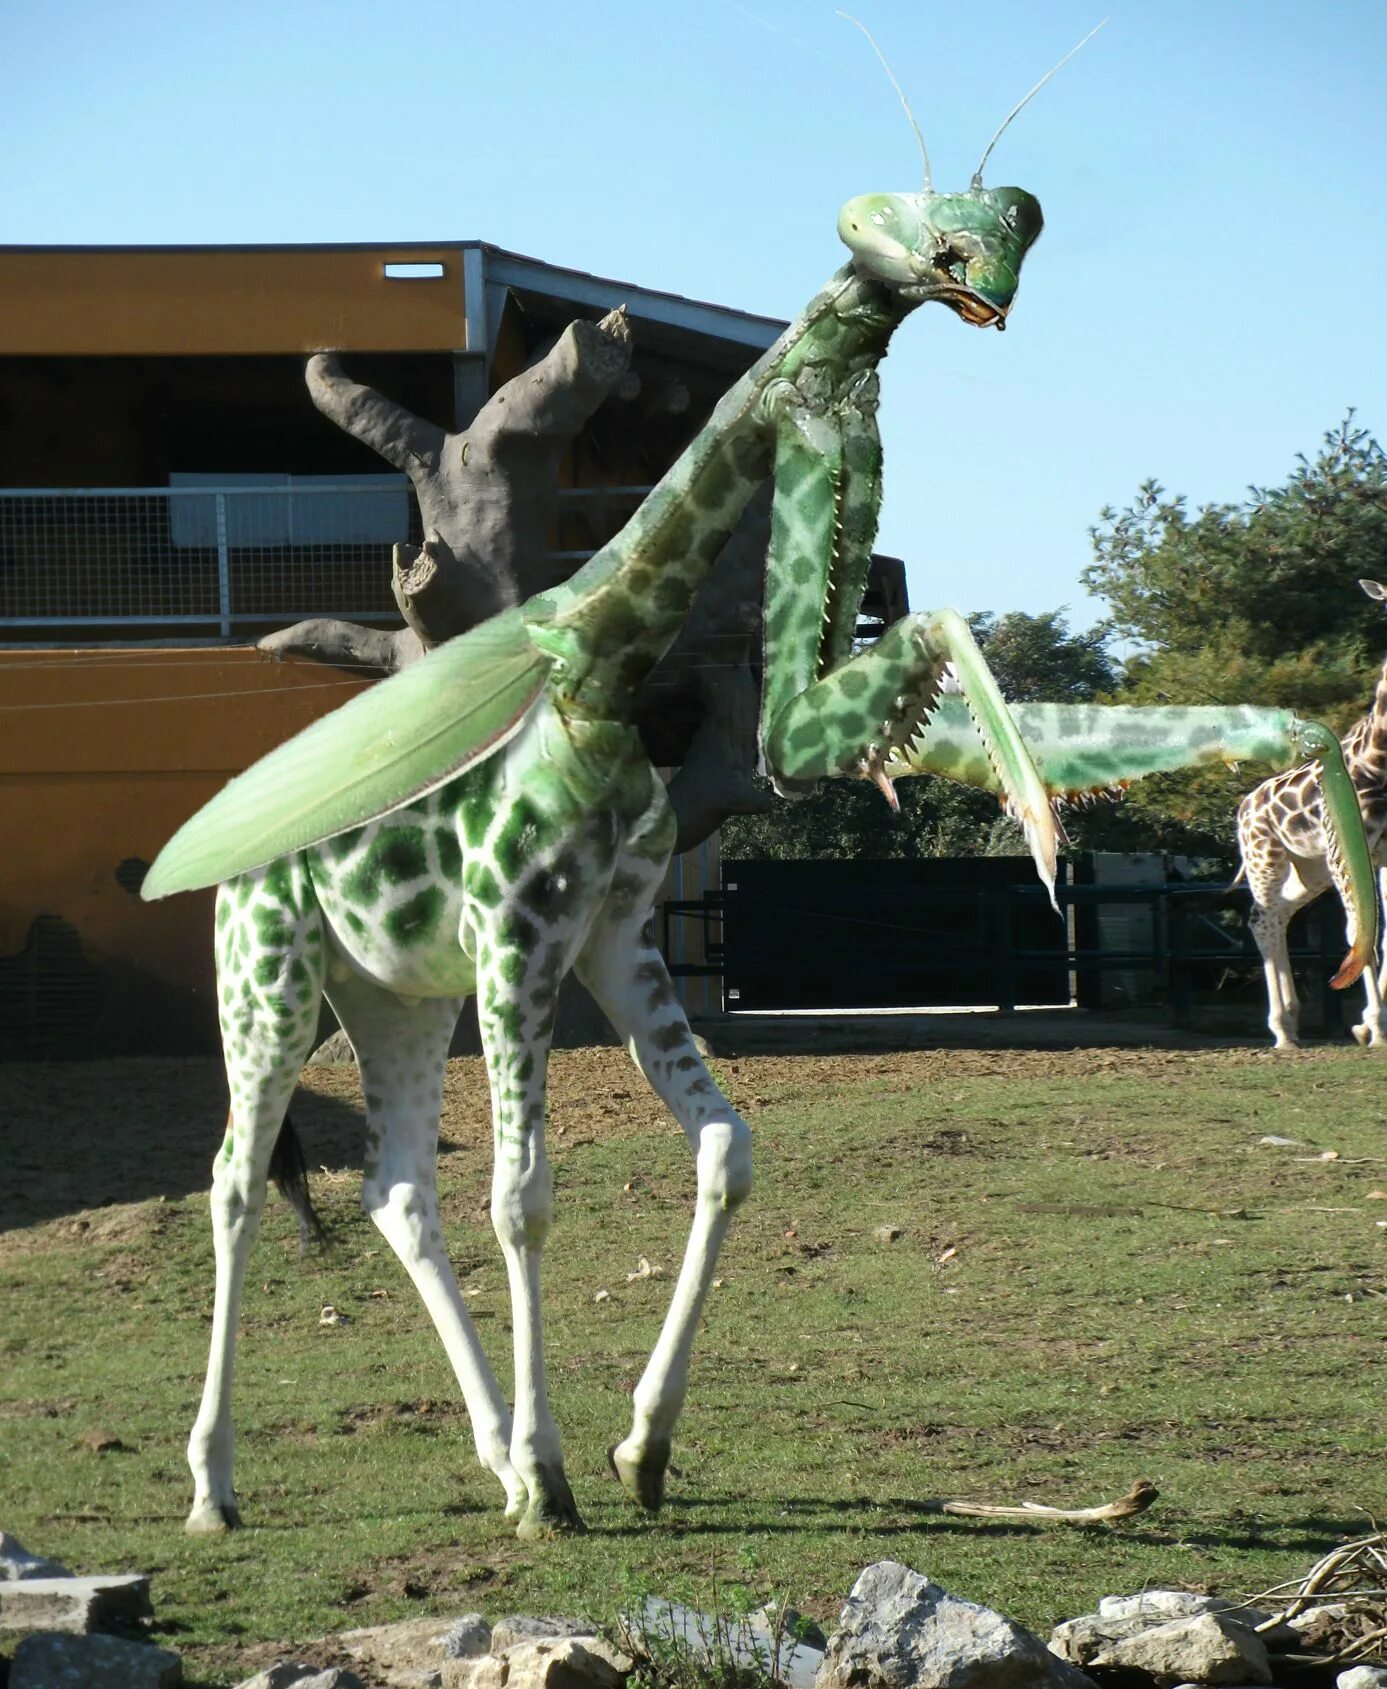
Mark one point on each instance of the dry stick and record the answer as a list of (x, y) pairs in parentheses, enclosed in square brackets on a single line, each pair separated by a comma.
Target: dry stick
[(1137, 1500)]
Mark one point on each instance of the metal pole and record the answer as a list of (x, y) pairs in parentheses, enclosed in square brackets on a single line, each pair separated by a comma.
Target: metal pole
[(223, 569)]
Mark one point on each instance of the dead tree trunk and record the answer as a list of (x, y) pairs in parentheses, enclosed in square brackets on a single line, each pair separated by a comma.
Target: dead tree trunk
[(488, 496)]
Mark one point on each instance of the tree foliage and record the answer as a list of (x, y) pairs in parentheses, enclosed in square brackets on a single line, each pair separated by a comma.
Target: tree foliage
[(1256, 603)]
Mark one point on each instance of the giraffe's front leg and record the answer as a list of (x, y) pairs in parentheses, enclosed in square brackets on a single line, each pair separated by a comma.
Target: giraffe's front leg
[(518, 973), (269, 945), (626, 974)]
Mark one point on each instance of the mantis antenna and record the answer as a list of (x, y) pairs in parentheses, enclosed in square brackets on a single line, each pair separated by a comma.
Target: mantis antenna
[(1016, 109), (929, 183)]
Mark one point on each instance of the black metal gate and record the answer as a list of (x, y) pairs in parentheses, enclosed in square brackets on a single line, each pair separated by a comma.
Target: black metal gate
[(859, 935)]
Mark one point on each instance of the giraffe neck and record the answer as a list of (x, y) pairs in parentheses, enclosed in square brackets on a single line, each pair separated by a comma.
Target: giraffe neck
[(1365, 744), (609, 625)]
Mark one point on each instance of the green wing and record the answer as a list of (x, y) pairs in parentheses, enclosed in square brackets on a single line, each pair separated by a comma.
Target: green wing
[(396, 741)]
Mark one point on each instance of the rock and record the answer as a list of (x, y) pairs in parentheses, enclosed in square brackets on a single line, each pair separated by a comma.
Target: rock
[(406, 1655), (333, 1052), (790, 1623), (488, 1671), (560, 1662), (1362, 1677), (16, 1562), (48, 1661), (900, 1631), (886, 1234), (1158, 1605), (73, 1604), (1208, 1648), (467, 1638), (286, 1673), (279, 1676), (1318, 1624), (517, 1627), (1122, 1617)]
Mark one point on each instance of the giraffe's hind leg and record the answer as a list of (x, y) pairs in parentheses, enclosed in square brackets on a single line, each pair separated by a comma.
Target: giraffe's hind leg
[(402, 1048), (1372, 1029), (269, 981), (1277, 893), (626, 974)]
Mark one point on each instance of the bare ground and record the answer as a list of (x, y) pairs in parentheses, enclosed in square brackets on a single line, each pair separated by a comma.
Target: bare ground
[(87, 1136)]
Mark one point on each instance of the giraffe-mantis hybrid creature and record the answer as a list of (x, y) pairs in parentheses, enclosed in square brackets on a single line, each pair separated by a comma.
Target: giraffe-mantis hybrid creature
[(487, 820)]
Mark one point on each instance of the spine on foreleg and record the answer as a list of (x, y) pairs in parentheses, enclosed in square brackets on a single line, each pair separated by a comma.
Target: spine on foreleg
[(289, 1171)]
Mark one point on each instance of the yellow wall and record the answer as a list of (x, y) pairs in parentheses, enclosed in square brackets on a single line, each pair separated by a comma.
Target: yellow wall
[(102, 755), (233, 300)]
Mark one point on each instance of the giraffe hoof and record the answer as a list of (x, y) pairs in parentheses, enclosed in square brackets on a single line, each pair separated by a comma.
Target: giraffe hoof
[(209, 1517), (642, 1476), (552, 1510)]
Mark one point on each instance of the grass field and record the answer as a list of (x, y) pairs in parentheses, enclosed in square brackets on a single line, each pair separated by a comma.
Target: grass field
[(1099, 1275)]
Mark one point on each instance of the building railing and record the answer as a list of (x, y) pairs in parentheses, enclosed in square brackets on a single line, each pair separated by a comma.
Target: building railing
[(218, 555)]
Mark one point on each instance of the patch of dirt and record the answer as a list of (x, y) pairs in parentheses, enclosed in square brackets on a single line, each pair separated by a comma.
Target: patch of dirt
[(92, 1147)]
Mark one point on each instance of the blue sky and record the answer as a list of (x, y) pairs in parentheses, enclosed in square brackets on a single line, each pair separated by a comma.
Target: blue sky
[(1205, 301)]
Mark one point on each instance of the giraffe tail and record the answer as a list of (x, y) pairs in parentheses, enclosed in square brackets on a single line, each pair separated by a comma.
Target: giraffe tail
[(1240, 876), (290, 1174)]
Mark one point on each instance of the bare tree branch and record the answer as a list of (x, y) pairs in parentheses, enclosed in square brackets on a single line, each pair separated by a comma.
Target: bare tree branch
[(399, 436)]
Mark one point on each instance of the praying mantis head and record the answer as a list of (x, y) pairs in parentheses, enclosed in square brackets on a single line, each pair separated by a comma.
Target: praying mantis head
[(962, 249)]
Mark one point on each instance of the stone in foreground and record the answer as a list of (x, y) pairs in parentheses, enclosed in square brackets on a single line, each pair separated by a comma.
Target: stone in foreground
[(409, 1652), (1122, 1617), (900, 1631), (50, 1661), (76, 1605), (1362, 1677), (17, 1562), (292, 1674), (520, 1627), (1209, 1648), (560, 1662)]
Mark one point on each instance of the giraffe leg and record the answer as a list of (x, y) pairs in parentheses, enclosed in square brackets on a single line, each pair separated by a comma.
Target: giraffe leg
[(402, 1048), (1372, 1030), (1283, 1006), (518, 973), (269, 980), (626, 974)]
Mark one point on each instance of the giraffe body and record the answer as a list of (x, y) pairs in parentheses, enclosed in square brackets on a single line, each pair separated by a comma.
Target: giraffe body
[(507, 876), (1289, 860)]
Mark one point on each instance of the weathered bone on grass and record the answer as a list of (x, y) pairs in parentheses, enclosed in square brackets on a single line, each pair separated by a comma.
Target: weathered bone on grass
[(1137, 1500)]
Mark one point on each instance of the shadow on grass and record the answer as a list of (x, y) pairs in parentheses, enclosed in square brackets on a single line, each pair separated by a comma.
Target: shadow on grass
[(84, 1135), (863, 1513)]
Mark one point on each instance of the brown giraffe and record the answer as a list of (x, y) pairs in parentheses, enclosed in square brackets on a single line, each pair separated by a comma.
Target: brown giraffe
[(1287, 861)]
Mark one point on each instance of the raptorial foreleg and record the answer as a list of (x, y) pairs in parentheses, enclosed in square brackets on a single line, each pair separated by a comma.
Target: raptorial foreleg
[(865, 717), (1089, 748)]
